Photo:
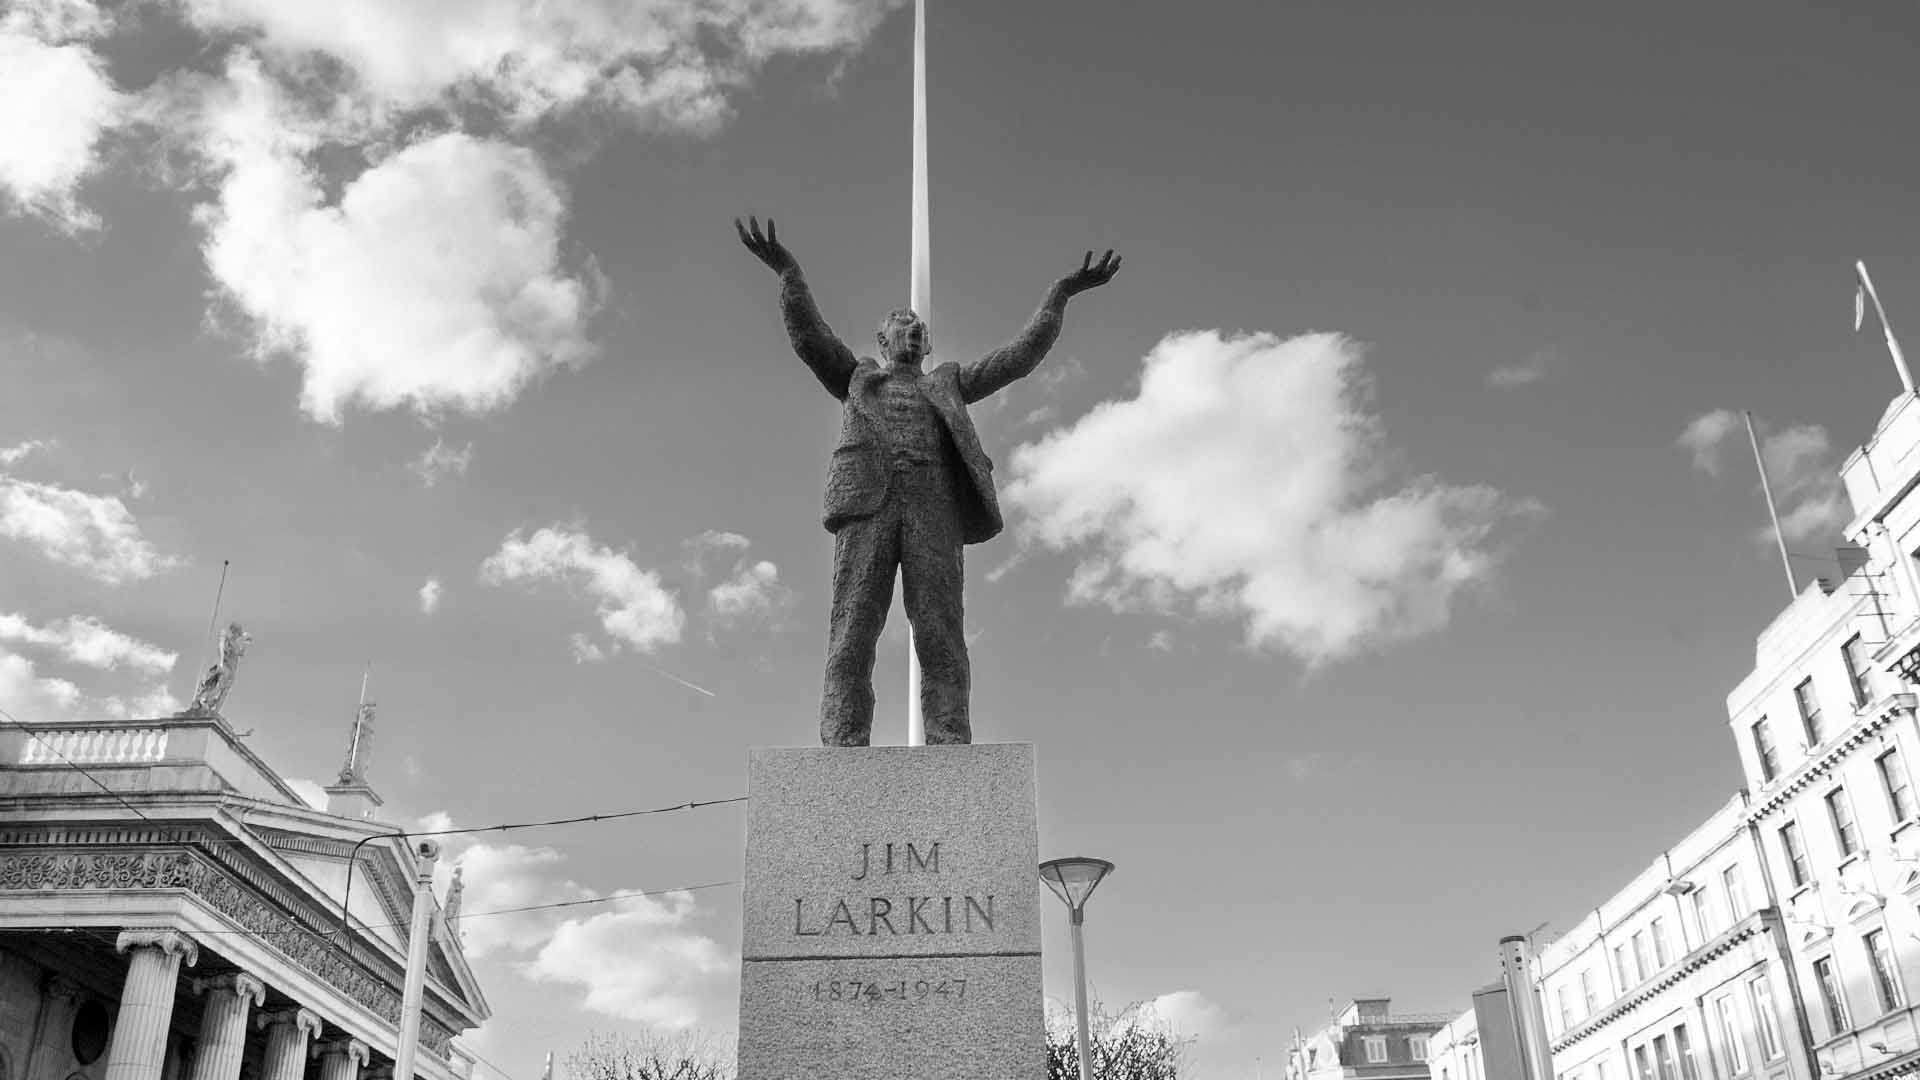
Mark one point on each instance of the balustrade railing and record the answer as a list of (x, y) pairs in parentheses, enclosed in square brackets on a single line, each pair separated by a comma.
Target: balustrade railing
[(95, 746)]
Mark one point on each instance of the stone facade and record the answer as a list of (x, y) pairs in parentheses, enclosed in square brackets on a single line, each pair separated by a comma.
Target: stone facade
[(187, 924)]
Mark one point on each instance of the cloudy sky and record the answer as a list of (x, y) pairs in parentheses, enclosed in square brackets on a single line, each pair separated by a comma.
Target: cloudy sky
[(1384, 534)]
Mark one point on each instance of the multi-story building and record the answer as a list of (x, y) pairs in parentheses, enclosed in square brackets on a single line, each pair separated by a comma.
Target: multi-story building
[(1826, 728), (1366, 1041), (1684, 974), (1453, 1051), (170, 909)]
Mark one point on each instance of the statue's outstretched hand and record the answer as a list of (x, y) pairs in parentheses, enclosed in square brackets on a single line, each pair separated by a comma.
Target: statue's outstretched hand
[(1091, 275), (767, 247)]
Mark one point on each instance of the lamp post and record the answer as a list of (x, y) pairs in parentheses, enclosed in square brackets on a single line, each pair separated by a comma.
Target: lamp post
[(1073, 880)]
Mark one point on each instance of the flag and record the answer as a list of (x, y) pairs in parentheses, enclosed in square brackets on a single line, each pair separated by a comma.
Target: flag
[(548, 1074)]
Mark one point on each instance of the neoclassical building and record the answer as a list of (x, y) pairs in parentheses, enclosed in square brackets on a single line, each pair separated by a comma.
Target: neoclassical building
[(171, 910)]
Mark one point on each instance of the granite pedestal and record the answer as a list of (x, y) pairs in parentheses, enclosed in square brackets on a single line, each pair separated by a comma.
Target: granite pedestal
[(892, 923)]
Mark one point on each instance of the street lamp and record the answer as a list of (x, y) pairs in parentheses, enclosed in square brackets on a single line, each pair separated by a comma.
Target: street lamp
[(1073, 880)]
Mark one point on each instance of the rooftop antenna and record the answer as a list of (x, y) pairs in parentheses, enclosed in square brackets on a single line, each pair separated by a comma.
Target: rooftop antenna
[(1862, 292), (1766, 489), (920, 299)]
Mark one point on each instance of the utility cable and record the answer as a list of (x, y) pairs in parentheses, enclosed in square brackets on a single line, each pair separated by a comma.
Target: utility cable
[(628, 894)]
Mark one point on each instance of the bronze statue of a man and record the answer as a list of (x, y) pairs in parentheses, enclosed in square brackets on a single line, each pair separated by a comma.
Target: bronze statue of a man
[(908, 487)]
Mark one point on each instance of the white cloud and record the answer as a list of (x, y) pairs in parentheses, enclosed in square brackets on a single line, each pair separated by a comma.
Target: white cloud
[(1189, 1014), (753, 591), (80, 642), (88, 642), (1532, 369), (643, 960), (750, 589), (1807, 490), (91, 533), (637, 957), (433, 283), (430, 596), (441, 460), (1248, 480), (660, 62), (1705, 437), (13, 455), (635, 609), (56, 104), (28, 696)]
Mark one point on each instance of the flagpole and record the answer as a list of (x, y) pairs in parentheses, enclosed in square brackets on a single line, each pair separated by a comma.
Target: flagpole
[(920, 299), (1766, 489), (1893, 346)]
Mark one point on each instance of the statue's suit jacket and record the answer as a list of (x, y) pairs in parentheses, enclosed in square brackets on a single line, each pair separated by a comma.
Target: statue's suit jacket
[(858, 476)]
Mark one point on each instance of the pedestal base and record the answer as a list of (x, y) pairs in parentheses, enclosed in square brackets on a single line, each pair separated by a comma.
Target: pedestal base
[(892, 923)]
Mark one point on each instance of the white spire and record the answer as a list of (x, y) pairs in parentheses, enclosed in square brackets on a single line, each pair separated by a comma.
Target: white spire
[(920, 299)]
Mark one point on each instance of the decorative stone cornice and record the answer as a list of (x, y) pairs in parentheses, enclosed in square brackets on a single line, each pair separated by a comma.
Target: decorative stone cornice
[(192, 873), (297, 1016), (355, 1050), (1751, 927), (167, 941), (237, 983), (1775, 796)]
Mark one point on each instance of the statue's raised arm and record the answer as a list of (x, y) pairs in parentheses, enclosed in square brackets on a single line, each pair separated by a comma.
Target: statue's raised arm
[(829, 358), (1018, 358)]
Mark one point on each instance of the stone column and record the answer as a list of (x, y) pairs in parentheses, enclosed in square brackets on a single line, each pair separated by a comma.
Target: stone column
[(340, 1059), (146, 1001), (223, 1026), (287, 1033)]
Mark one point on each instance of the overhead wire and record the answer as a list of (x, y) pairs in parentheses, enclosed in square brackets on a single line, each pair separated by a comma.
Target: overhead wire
[(627, 894)]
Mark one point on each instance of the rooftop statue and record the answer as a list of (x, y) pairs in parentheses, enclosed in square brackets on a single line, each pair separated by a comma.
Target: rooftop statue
[(218, 680)]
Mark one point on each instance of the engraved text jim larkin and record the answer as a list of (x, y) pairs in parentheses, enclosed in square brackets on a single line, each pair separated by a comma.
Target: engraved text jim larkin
[(903, 913)]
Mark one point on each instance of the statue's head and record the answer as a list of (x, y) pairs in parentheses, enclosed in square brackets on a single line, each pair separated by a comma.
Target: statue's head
[(904, 338)]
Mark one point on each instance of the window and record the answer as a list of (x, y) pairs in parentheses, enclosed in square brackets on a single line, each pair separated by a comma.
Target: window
[(1662, 953), (1833, 995), (1643, 1065), (1886, 974), (1688, 1071), (1376, 1049), (1623, 967), (1417, 1046), (1600, 1070), (1845, 832), (1763, 747), (1565, 1001), (1893, 778), (1854, 654), (1736, 885), (1642, 956), (1663, 1057), (1796, 853), (1766, 1022), (1809, 705), (1704, 914), (1731, 1045), (1588, 993)]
